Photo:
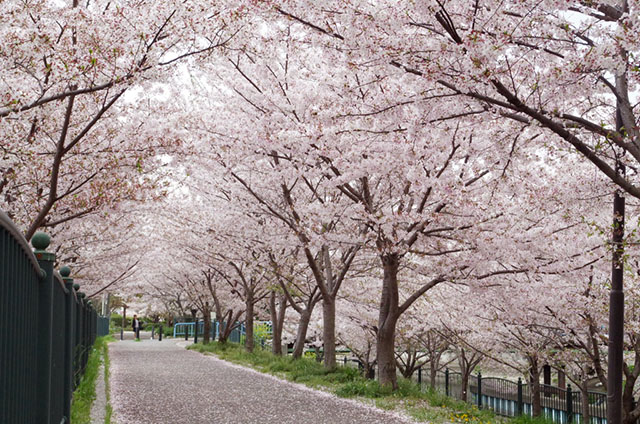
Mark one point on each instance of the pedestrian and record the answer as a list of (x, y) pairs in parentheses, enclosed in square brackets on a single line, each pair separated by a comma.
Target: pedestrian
[(135, 323)]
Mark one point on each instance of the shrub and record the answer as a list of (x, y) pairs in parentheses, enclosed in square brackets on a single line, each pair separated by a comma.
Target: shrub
[(365, 388), (116, 321)]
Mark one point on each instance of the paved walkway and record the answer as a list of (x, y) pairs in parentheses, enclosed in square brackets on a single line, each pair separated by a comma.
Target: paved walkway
[(161, 382)]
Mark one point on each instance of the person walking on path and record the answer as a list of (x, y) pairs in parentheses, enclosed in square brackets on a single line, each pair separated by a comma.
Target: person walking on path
[(135, 323)]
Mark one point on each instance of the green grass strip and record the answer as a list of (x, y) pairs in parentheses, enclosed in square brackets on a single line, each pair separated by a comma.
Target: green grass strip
[(85, 393), (423, 406)]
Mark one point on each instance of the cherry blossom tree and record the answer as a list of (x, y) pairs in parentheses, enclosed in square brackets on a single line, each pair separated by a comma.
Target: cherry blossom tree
[(66, 68), (563, 66), (429, 146)]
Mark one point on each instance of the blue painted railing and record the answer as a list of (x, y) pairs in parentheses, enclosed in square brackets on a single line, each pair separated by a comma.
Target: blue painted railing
[(179, 329)]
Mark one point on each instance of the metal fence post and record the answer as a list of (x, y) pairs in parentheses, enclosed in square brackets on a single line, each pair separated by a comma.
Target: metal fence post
[(93, 323), (77, 340), (40, 242), (160, 335), (87, 329), (569, 404), (186, 332), (520, 405), (65, 271), (446, 381), (82, 342), (195, 332), (479, 400)]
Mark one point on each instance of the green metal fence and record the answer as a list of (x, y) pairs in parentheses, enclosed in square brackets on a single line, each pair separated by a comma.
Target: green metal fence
[(47, 328), (102, 326)]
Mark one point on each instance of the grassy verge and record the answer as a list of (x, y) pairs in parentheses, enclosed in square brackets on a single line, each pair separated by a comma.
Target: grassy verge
[(525, 419), (85, 393), (347, 382), (107, 375)]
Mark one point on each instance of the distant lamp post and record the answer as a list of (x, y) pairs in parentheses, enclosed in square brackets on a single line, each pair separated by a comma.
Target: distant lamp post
[(124, 321)]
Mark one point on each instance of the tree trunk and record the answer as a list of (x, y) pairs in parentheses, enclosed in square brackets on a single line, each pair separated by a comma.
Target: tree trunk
[(584, 394), (329, 333), (222, 336), (277, 321), (403, 365), (276, 335), (226, 327), (367, 369), (387, 318), (433, 370), (407, 372), (535, 389), (206, 316), (467, 360), (329, 311), (629, 412), (408, 368), (301, 334), (248, 323), (465, 372), (464, 385)]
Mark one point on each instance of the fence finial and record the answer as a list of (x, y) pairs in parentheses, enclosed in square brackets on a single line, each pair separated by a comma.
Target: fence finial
[(40, 241), (65, 271)]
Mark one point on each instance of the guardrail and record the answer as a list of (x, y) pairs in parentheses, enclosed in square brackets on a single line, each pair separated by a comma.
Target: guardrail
[(47, 328)]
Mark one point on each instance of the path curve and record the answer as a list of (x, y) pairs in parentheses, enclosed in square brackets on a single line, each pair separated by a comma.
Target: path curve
[(156, 382)]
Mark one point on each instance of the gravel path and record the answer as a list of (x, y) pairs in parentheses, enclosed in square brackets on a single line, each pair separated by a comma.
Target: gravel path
[(161, 382)]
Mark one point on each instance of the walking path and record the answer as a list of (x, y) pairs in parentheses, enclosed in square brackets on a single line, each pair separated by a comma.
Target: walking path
[(161, 382)]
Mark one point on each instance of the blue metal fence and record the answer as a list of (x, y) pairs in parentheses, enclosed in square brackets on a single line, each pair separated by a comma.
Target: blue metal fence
[(180, 328), (47, 328)]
